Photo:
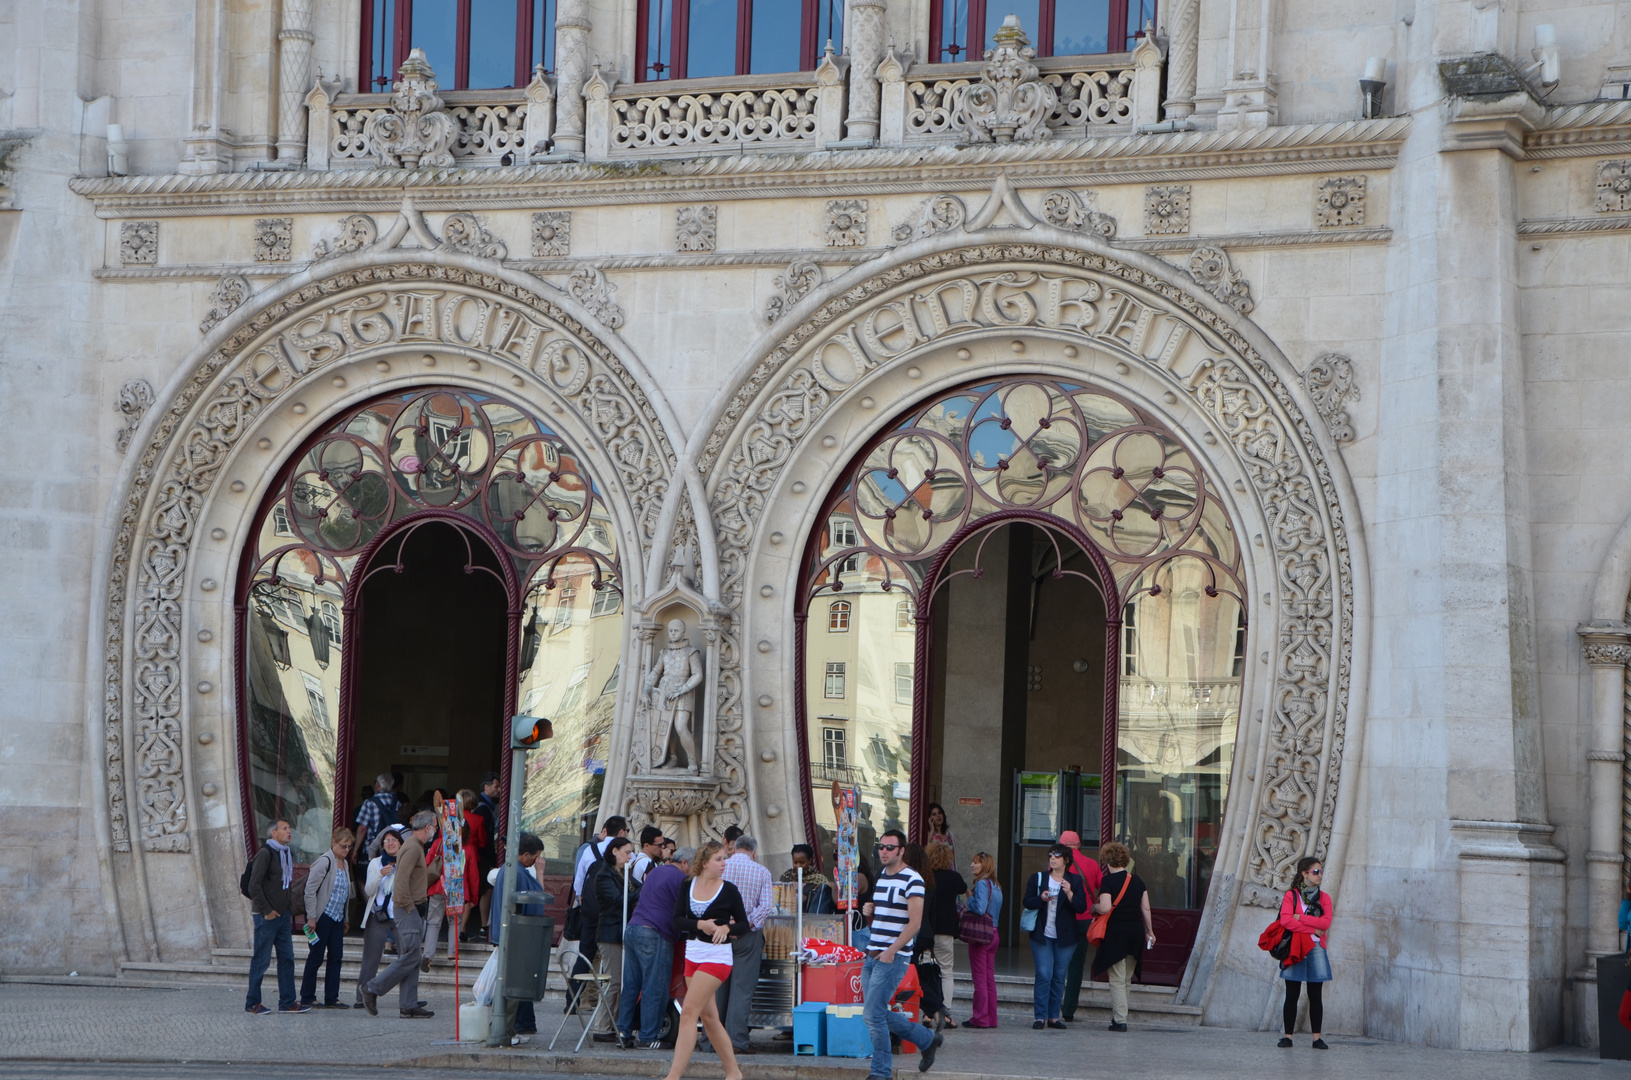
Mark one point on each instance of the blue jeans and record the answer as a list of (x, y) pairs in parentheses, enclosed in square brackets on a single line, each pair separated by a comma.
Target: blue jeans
[(878, 983), (272, 934), (647, 963), (1052, 968), (330, 943)]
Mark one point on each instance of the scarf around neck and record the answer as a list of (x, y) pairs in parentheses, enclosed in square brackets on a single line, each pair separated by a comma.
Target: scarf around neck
[(285, 860)]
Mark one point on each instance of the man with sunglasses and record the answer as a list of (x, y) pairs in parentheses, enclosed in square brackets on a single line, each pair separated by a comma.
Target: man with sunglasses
[(896, 912)]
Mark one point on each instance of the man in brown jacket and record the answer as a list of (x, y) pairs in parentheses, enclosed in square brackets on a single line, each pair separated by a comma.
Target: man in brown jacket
[(410, 896)]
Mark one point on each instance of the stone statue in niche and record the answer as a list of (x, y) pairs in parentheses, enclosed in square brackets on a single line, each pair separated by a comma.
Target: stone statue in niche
[(671, 686)]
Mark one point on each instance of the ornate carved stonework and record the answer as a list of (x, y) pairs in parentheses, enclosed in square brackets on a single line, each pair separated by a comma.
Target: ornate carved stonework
[(230, 293), (1340, 202), (1212, 271), (1078, 212), (357, 231), (795, 283), (1010, 102), (696, 228), (1006, 287), (274, 239), (369, 311), (465, 233), (938, 215), (1605, 653), (846, 223), (414, 131), (659, 796), (551, 233), (135, 398), (1166, 210), (1613, 187), (138, 243), (590, 288), (1330, 382)]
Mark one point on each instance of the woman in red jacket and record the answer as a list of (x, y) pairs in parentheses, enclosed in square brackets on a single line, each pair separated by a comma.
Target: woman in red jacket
[(1306, 912)]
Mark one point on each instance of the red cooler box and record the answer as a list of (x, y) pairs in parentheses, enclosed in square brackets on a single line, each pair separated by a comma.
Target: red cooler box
[(836, 984)]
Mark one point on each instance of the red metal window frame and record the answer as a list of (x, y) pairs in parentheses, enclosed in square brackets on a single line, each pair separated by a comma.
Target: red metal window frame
[(679, 39), (402, 42)]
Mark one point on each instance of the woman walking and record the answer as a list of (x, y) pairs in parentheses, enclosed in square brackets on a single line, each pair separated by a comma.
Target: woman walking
[(984, 899), (708, 915), (941, 915), (1057, 897), (1306, 912), (378, 914), (609, 894), (1130, 930)]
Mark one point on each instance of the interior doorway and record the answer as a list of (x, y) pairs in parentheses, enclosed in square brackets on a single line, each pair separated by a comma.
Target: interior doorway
[(427, 695)]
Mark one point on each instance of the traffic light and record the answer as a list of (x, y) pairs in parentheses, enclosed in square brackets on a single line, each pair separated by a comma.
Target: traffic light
[(527, 732)]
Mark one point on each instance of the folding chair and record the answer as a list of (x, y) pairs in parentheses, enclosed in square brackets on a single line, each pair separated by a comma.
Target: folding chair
[(576, 983)]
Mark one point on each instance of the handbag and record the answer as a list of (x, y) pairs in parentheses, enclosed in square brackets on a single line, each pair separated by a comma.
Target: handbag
[(1101, 922), (1276, 941), (975, 928), (1027, 918)]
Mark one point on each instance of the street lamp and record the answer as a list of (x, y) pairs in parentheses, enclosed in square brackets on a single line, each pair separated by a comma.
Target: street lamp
[(526, 732)]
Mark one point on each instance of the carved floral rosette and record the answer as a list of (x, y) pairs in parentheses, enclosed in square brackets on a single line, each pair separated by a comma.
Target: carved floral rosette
[(291, 343), (1147, 319)]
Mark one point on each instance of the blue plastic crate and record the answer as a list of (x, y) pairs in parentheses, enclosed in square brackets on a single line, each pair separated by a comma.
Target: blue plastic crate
[(810, 1029), (847, 1034)]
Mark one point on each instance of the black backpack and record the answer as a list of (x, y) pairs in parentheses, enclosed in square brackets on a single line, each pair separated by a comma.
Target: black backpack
[(243, 878)]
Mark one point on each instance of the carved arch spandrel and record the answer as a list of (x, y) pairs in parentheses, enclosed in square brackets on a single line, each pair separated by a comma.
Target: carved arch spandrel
[(867, 325), (362, 307)]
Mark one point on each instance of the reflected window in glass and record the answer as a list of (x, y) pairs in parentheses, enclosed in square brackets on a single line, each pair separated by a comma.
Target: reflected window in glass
[(835, 680), (838, 617)]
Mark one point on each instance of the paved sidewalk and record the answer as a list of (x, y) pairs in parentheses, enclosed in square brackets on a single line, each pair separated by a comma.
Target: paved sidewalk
[(53, 1023)]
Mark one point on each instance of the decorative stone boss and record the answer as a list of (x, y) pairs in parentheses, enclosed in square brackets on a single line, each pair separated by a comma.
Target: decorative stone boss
[(1010, 102)]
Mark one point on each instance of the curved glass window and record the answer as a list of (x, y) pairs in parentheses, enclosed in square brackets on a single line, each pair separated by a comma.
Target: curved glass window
[(475, 458)]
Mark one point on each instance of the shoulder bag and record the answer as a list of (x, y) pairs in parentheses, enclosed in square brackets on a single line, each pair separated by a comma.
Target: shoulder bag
[(976, 928), (1027, 918), (1276, 940), (1101, 923)]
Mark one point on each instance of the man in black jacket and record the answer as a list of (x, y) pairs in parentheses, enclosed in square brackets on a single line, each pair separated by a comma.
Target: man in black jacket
[(270, 876)]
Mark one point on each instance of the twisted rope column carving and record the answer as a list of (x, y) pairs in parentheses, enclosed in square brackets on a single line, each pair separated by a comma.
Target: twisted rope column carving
[(1183, 58)]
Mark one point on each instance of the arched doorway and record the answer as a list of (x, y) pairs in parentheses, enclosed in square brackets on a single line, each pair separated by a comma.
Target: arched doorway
[(390, 610), (1016, 574)]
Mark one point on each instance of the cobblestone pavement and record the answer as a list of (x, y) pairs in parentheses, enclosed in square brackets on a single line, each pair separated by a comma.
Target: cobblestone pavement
[(53, 1032)]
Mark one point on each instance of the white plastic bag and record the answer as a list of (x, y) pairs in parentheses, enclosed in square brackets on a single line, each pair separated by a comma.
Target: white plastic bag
[(487, 981), (473, 1021)]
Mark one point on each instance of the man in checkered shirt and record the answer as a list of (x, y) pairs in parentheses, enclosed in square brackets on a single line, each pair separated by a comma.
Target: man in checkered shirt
[(376, 812)]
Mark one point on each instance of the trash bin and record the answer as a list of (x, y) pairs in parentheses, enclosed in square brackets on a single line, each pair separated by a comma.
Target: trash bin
[(527, 942), (1613, 1040)]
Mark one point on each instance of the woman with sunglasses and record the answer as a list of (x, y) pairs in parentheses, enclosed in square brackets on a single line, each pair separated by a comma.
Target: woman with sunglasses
[(1306, 912)]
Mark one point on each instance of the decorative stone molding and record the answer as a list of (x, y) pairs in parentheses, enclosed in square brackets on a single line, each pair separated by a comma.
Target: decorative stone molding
[(938, 215), (1009, 103), (1613, 187), (782, 116), (864, 41), (794, 284), (538, 125), (589, 287), (291, 343), (1166, 210), (1183, 59), (135, 398), (229, 294), (572, 62), (1065, 209), (846, 223), (696, 228), (274, 239), (1005, 288), (1330, 382), (1340, 202), (466, 234), (1605, 653), (138, 243), (414, 131), (551, 233), (1212, 271), (357, 231), (295, 40), (656, 796)]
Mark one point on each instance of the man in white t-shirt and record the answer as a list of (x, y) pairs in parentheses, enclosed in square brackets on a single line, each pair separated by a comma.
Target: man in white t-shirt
[(896, 911), (649, 855)]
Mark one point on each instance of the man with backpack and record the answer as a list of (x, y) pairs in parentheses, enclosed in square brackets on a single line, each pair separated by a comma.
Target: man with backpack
[(266, 882), (377, 811)]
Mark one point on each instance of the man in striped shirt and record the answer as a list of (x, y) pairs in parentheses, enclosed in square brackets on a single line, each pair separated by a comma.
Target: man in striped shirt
[(896, 911)]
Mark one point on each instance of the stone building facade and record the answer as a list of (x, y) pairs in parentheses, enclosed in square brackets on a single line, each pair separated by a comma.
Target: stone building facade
[(1309, 376)]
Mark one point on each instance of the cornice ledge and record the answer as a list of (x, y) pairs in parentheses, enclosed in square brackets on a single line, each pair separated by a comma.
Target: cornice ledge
[(1587, 130), (1347, 144), (1246, 241), (1609, 223)]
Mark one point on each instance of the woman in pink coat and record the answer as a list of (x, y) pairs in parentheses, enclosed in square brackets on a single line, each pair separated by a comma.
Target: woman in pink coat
[(1306, 911)]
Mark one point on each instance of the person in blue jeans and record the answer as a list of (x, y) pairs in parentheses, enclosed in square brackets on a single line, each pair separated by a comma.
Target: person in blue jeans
[(1057, 897), (520, 1018), (270, 876), (648, 955), (896, 911)]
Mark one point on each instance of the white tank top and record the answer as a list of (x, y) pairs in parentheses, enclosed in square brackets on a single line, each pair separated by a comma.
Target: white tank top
[(705, 952)]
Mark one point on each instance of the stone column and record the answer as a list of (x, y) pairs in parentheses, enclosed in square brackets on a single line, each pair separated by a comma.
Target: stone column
[(295, 40), (571, 72), (866, 49), (1606, 648), (1182, 57)]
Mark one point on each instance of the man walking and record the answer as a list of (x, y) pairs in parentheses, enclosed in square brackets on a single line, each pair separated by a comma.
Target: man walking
[(328, 888), (648, 955), (269, 878), (410, 897), (896, 911), (759, 900), (1092, 875)]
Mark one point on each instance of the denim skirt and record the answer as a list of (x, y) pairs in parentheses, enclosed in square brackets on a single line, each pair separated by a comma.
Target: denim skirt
[(1313, 968)]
